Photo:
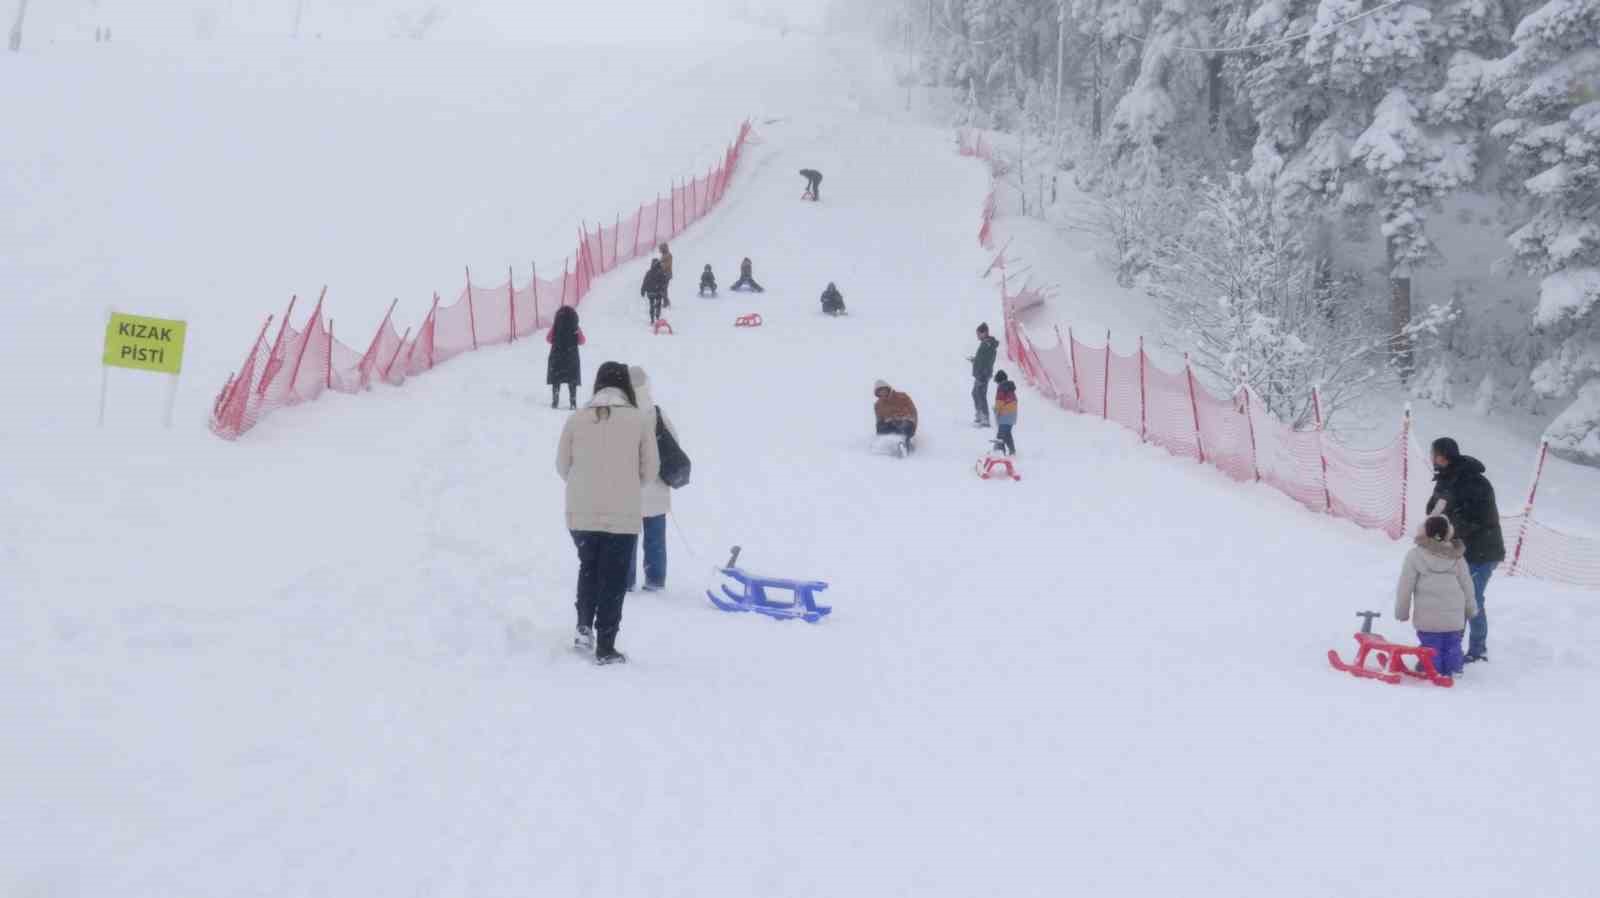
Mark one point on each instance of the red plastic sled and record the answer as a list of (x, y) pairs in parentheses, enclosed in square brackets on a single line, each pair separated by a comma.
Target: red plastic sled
[(988, 464), (751, 320), (659, 325), (1391, 661)]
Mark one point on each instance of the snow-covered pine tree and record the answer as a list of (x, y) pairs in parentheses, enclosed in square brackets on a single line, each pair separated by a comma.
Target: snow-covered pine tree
[(1551, 82)]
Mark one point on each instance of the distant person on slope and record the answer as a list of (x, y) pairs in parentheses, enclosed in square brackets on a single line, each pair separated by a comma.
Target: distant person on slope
[(1005, 410), (895, 411), (813, 184), (1435, 577), (564, 365), (746, 280), (606, 455), (832, 301), (982, 370), (1463, 494), (708, 281), (666, 266), (654, 288), (657, 496)]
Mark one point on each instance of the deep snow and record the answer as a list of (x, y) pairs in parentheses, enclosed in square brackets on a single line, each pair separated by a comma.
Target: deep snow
[(331, 658)]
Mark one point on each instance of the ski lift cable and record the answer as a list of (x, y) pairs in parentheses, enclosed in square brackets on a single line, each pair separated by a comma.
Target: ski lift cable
[(1285, 39)]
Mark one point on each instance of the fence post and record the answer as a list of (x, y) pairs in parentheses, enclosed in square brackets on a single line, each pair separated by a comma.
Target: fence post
[(1105, 398), (1250, 419), (1072, 356), (1143, 402), (1060, 398), (1322, 450), (638, 220), (472, 316), (616, 235), (316, 315), (329, 366), (432, 325), (655, 230), (268, 372), (566, 265), (372, 348), (1527, 509), (511, 300), (396, 357), (535, 296), (1194, 407), (1405, 467)]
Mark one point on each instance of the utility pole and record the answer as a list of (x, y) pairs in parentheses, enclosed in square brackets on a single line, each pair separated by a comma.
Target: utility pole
[(15, 43), (1061, 55)]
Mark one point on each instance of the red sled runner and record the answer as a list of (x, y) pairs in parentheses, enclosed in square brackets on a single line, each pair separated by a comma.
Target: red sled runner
[(751, 320), (1390, 657), (987, 465), (659, 325)]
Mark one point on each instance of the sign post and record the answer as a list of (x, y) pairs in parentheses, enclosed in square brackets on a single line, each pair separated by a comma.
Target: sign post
[(143, 344)]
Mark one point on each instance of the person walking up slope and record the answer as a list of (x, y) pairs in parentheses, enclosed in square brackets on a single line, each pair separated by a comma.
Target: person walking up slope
[(654, 288), (982, 369), (1436, 586), (606, 455), (564, 365), (666, 268), (1463, 494), (657, 495), (1005, 411)]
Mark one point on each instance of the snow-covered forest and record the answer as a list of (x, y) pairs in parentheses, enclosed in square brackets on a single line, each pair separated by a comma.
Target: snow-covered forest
[(1431, 168)]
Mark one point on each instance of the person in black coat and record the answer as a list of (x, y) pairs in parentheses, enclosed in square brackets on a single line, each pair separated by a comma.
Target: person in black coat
[(982, 369), (832, 300), (708, 281), (654, 288), (746, 279), (813, 184), (564, 365), (1464, 495)]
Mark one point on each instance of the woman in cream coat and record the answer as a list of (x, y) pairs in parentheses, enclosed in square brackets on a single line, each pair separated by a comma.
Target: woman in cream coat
[(607, 454)]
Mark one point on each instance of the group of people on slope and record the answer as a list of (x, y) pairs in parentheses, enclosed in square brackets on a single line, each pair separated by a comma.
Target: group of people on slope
[(897, 414), (1444, 576)]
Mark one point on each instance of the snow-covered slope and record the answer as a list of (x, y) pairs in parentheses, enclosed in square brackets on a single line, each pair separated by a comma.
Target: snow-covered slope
[(330, 658)]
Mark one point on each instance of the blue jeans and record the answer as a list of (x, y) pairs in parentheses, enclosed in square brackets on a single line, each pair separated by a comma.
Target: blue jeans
[(654, 538), (1446, 650), (1478, 638)]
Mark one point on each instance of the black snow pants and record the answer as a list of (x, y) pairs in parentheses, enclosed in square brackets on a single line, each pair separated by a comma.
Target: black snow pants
[(603, 562), (980, 399), (655, 305)]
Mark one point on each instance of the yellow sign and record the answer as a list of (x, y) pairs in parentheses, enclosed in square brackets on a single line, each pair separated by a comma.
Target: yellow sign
[(148, 344)]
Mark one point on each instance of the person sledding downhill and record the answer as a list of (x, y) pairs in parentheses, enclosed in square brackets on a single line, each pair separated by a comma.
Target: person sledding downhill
[(708, 282), (982, 370), (832, 301), (813, 184), (897, 416), (746, 281), (654, 288)]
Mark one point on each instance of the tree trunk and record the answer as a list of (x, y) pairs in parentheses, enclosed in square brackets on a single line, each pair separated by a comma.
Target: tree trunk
[(15, 43), (1214, 89), (1400, 315), (1098, 90)]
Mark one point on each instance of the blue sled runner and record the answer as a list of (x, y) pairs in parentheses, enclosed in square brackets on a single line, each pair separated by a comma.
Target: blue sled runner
[(752, 594)]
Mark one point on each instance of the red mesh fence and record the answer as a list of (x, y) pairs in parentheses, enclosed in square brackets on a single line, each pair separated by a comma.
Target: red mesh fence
[(1370, 487), (294, 365)]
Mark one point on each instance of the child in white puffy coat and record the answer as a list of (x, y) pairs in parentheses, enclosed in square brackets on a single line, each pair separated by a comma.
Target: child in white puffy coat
[(1436, 588)]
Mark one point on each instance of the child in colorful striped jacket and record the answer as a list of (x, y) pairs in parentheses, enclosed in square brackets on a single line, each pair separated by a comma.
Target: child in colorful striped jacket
[(1005, 411)]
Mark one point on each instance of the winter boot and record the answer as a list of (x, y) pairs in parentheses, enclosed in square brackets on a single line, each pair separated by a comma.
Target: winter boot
[(584, 640), (605, 651)]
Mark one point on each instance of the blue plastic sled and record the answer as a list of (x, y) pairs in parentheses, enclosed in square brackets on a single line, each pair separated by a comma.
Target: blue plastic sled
[(753, 596)]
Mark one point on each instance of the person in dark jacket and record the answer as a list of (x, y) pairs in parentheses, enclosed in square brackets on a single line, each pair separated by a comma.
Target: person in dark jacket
[(832, 301), (746, 281), (982, 370), (1464, 495), (564, 365), (708, 281), (654, 288), (813, 184)]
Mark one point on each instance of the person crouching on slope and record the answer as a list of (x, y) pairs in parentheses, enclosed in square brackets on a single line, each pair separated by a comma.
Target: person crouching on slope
[(832, 301), (895, 411), (1435, 580), (1005, 411), (708, 281)]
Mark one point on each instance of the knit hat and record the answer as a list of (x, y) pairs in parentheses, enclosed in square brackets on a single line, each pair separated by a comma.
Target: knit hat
[(983, 328), (880, 385), (1000, 377), (1447, 447)]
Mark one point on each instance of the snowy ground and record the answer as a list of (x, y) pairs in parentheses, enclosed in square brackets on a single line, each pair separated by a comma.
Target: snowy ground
[(330, 659)]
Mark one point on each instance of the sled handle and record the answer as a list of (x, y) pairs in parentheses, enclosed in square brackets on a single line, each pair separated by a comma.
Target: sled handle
[(733, 558), (1366, 619)]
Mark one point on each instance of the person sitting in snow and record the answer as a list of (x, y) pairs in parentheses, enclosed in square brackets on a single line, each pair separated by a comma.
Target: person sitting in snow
[(895, 411), (813, 184), (1005, 411), (654, 288), (1435, 580), (708, 281), (746, 281), (832, 300)]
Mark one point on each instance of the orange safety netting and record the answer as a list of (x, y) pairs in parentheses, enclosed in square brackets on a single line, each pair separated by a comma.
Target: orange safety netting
[(296, 365)]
